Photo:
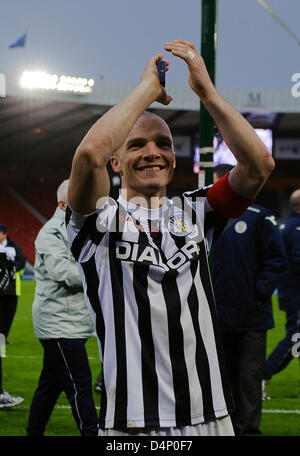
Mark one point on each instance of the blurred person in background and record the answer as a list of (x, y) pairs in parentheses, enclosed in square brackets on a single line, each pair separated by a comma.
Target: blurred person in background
[(288, 292), (9, 296), (62, 324), (248, 263)]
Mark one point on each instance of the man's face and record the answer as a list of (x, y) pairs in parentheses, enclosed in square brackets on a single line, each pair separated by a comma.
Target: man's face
[(3, 236), (146, 161)]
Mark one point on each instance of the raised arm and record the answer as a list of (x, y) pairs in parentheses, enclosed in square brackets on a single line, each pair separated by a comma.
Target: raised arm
[(255, 163), (89, 180)]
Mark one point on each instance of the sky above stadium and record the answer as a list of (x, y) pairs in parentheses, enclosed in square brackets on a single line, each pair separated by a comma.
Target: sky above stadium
[(112, 40)]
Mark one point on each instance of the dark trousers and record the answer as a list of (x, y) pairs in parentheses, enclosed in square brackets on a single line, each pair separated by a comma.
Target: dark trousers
[(245, 357), (282, 353), (65, 368), (8, 307)]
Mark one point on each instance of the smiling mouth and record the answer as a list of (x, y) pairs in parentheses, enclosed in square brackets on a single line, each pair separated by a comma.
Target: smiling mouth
[(151, 168)]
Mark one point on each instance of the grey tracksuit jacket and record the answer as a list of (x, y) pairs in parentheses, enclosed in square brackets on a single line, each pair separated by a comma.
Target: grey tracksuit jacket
[(59, 309)]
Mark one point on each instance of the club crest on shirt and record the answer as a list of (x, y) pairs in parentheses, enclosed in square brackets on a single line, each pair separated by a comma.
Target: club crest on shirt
[(180, 226), (240, 227)]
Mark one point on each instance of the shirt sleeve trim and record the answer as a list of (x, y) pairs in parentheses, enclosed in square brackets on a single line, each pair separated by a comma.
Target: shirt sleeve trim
[(226, 201)]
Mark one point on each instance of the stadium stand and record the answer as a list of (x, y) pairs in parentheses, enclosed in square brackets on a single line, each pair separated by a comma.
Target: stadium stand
[(41, 196), (23, 226)]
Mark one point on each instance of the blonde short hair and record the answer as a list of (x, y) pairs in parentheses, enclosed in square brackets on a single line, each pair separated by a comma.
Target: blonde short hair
[(62, 191)]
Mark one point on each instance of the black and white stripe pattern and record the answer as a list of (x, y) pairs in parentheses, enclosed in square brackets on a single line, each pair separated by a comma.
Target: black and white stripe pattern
[(152, 301)]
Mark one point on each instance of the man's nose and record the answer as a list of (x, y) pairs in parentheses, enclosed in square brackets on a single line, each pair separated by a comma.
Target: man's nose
[(151, 151)]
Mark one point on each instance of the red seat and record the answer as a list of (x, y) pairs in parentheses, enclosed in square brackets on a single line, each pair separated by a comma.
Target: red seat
[(23, 226), (41, 196)]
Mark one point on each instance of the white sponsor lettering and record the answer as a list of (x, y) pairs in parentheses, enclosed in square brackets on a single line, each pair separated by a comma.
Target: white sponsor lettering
[(135, 249), (131, 251), (123, 250), (190, 248), (176, 261), (148, 255)]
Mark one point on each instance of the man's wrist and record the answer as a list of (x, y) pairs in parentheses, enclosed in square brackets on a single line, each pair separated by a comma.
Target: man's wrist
[(151, 88), (208, 95)]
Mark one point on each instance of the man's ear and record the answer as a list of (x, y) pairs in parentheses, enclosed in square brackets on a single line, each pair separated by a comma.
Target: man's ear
[(115, 164), (62, 204)]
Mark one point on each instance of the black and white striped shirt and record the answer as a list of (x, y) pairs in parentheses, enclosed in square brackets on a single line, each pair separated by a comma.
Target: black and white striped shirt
[(147, 283)]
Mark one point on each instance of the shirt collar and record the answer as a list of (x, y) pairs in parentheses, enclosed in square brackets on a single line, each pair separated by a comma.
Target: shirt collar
[(142, 212)]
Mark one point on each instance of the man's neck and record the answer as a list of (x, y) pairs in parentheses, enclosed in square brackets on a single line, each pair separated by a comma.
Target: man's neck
[(148, 201)]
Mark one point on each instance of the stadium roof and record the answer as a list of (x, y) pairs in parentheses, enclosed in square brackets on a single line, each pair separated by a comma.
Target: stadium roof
[(38, 124)]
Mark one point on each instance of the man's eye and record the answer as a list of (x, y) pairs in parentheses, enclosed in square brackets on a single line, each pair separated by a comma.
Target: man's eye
[(135, 146), (164, 145)]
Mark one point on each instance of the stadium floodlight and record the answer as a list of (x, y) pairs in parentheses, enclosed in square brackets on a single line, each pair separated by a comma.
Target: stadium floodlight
[(45, 81)]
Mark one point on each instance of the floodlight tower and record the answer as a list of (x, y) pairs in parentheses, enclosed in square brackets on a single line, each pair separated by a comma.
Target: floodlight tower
[(206, 128)]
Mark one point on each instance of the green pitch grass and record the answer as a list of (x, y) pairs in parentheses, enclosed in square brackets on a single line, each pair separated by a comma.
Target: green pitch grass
[(23, 363), (281, 414)]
